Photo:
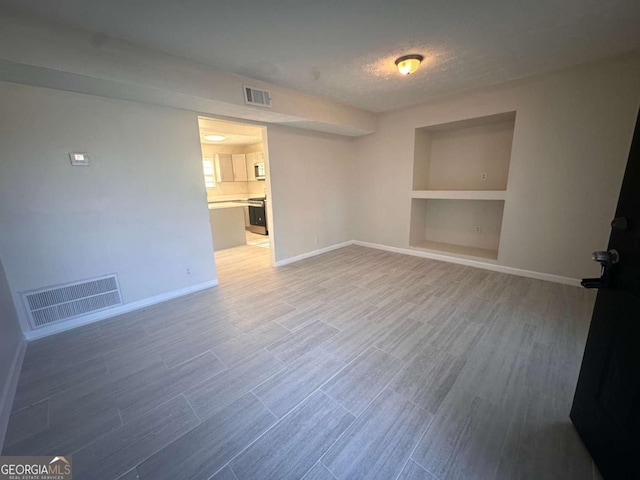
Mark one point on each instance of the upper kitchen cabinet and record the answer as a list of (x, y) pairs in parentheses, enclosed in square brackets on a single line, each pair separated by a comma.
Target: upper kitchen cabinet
[(239, 167), (251, 160), (231, 168), (224, 167), (471, 154)]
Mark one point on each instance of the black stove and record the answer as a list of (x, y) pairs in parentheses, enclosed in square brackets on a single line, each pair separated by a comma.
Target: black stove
[(258, 216)]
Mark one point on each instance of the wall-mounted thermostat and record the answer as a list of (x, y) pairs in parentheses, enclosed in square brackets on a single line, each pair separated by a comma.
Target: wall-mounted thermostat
[(79, 159)]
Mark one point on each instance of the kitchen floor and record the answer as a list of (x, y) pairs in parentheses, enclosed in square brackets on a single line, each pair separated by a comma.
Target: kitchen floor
[(357, 363), (257, 240)]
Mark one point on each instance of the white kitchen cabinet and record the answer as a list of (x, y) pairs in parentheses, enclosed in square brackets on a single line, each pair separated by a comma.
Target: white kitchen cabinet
[(224, 167), (239, 167), (251, 172)]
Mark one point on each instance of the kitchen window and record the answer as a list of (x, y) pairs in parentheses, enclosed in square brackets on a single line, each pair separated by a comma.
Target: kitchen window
[(209, 173)]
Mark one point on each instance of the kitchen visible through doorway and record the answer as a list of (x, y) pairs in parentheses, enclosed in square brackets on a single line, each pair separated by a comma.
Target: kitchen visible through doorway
[(235, 175)]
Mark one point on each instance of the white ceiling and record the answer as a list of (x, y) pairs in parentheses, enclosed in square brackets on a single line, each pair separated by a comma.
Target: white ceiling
[(344, 50), (234, 133)]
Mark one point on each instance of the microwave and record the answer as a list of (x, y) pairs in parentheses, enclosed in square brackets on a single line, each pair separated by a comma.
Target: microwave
[(258, 168)]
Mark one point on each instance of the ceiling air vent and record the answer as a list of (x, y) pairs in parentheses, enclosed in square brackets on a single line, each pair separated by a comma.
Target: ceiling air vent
[(55, 304), (254, 96)]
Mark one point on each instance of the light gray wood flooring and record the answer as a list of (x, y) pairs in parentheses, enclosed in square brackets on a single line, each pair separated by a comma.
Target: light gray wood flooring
[(355, 364)]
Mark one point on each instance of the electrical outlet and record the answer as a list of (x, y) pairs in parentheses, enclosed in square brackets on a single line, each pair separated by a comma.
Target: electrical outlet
[(477, 229), (188, 271), (317, 240), (483, 176)]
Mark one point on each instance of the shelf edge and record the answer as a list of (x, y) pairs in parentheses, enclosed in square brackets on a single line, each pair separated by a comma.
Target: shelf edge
[(460, 194)]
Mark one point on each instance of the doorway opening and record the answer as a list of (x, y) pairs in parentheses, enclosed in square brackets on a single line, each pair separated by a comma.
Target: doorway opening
[(236, 177)]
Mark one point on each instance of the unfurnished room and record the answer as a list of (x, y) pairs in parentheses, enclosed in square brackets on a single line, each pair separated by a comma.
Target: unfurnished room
[(319, 240)]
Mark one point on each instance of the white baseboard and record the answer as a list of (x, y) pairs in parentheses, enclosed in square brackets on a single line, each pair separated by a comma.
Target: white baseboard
[(8, 391), (475, 263), (313, 253), (112, 312)]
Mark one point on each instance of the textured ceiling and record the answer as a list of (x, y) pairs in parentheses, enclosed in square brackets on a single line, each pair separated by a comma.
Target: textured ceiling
[(344, 50)]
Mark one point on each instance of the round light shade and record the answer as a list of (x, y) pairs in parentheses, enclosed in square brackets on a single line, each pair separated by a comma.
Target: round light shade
[(214, 138), (408, 64)]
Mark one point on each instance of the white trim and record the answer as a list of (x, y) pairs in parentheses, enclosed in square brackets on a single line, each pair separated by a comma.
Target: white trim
[(475, 263), (313, 253), (9, 389), (112, 312)]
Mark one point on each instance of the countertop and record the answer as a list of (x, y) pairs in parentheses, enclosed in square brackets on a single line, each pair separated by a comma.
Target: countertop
[(227, 204), (230, 201), (235, 197)]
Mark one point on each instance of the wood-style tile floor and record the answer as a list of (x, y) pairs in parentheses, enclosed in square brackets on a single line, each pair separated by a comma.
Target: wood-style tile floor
[(356, 364)]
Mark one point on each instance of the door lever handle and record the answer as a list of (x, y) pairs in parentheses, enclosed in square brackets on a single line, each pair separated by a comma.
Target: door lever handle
[(607, 260), (594, 283), (610, 258)]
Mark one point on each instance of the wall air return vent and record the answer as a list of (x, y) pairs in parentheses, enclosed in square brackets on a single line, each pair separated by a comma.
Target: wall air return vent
[(254, 96), (55, 304)]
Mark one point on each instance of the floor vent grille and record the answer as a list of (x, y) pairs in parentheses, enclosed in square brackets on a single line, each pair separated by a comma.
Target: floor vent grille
[(55, 304)]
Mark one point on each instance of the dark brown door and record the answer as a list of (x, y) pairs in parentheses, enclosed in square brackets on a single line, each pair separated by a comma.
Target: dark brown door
[(606, 406)]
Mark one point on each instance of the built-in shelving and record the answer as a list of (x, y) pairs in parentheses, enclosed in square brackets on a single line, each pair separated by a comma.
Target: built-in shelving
[(460, 177), (460, 194)]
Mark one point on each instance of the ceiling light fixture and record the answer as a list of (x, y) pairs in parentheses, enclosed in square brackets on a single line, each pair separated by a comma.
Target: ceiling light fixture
[(409, 63), (214, 138)]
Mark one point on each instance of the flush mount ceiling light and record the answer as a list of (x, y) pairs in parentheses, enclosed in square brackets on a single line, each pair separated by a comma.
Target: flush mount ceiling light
[(409, 63), (214, 138)]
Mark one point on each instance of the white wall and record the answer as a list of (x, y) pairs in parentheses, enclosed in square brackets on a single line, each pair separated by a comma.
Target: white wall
[(309, 175), (572, 137), (11, 339), (138, 210)]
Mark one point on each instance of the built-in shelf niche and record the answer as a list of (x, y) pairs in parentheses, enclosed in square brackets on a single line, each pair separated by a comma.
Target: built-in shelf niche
[(450, 226), (460, 175), (455, 155)]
